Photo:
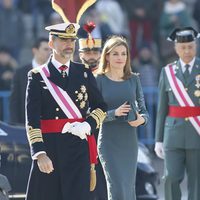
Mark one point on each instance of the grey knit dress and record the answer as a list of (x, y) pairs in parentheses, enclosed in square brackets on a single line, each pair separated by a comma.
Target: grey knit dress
[(117, 141)]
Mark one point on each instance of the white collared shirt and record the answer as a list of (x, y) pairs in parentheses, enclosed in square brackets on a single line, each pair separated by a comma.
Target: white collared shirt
[(58, 64), (190, 63)]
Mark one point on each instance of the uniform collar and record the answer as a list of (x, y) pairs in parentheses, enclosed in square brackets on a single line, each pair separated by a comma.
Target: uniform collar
[(190, 63), (58, 64)]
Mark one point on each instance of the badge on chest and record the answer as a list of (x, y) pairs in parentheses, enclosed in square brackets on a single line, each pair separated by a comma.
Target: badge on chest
[(82, 96)]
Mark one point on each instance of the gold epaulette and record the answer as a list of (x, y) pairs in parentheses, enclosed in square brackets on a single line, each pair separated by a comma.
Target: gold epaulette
[(34, 135), (36, 70), (98, 115), (86, 66)]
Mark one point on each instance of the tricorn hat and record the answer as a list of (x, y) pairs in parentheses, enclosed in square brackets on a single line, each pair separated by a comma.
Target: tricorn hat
[(182, 35), (89, 43), (64, 30)]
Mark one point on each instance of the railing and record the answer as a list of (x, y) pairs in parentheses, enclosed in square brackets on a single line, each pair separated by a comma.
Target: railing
[(4, 105), (146, 134)]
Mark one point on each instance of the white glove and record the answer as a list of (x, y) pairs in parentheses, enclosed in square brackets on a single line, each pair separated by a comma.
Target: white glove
[(66, 128), (80, 129), (159, 149)]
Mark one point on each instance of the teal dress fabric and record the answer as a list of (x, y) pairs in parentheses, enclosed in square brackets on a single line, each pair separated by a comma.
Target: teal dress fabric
[(117, 141)]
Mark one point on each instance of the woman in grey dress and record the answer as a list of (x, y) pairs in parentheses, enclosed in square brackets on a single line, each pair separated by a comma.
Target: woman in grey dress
[(117, 141)]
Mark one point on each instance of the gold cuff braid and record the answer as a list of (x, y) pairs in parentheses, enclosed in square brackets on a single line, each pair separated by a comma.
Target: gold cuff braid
[(98, 116), (34, 135)]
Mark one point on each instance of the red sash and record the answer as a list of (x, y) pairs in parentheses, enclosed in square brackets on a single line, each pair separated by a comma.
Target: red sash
[(182, 96)]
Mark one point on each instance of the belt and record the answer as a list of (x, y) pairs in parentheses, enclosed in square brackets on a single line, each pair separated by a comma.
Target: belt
[(182, 112), (56, 125)]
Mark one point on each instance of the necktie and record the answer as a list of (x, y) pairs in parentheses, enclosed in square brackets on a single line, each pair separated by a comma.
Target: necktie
[(186, 73), (63, 69)]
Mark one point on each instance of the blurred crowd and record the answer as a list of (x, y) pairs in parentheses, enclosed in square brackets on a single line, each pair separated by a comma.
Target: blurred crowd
[(146, 25)]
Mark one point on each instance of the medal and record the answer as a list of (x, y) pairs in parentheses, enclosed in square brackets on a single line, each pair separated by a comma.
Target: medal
[(197, 93), (197, 78), (63, 74)]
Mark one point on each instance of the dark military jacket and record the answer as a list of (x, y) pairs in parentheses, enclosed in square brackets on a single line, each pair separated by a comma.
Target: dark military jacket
[(69, 154)]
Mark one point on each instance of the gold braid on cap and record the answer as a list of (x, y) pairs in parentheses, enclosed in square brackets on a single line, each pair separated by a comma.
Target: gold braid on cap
[(89, 27)]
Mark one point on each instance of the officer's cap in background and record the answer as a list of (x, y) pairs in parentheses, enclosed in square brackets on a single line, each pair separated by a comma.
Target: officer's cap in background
[(89, 43), (182, 35), (63, 30), (86, 44)]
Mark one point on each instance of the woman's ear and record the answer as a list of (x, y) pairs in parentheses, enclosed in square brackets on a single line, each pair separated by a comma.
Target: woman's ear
[(107, 58)]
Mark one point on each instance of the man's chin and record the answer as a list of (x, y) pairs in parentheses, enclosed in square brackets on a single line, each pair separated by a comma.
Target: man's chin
[(68, 51), (67, 54)]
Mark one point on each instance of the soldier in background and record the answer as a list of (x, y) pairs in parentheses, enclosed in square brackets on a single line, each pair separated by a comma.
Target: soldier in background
[(90, 53), (90, 48)]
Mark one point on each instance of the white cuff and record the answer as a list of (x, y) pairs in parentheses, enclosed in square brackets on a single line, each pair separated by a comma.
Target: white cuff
[(34, 157)]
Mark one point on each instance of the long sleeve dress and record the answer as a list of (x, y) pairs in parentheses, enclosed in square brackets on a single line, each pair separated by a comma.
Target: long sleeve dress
[(117, 141)]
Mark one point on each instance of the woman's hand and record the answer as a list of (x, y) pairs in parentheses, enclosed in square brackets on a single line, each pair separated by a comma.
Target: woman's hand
[(123, 110), (140, 120)]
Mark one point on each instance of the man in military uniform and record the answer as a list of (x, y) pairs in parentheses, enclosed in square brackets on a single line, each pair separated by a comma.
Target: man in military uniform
[(59, 94), (90, 49), (178, 117)]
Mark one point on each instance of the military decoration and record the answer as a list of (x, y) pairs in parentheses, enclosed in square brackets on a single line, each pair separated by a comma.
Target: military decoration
[(83, 88), (197, 92), (82, 96), (63, 74), (197, 78), (82, 104), (86, 97)]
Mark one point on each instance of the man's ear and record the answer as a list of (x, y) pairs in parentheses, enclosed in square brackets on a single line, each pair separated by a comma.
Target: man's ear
[(34, 50), (50, 43), (80, 55)]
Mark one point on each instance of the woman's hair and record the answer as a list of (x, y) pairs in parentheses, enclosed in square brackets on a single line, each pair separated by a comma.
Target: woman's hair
[(110, 44)]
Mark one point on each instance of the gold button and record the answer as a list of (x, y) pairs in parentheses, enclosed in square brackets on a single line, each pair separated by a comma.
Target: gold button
[(56, 117), (57, 109), (186, 119)]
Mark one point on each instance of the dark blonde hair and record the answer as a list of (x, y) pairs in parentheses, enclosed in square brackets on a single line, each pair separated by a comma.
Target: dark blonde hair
[(110, 44)]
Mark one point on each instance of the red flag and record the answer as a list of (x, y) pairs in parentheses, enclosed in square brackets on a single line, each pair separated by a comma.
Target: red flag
[(71, 10)]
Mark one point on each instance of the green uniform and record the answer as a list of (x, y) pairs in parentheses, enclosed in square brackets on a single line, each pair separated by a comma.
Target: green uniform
[(181, 140)]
